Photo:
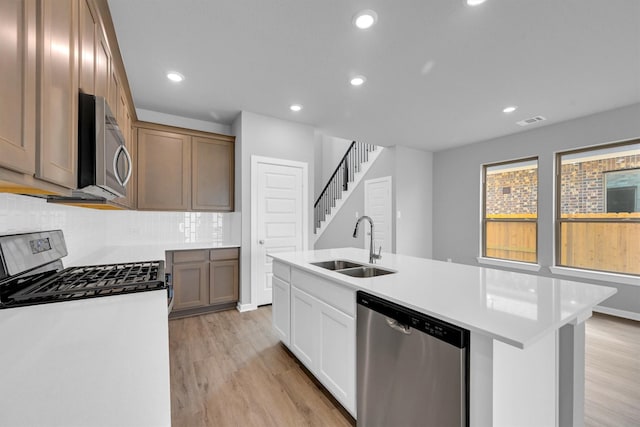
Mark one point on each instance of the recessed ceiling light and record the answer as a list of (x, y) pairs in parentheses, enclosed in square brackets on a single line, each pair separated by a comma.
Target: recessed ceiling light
[(175, 76), (295, 107), (475, 2), (510, 109), (365, 19), (358, 80)]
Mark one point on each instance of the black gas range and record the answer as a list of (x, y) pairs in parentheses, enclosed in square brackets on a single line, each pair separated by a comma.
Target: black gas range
[(31, 272)]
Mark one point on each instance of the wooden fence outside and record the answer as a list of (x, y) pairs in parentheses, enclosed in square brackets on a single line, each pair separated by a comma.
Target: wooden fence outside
[(595, 245)]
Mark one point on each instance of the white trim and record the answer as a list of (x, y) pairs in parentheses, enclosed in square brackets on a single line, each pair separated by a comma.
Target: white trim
[(255, 160), (618, 313), (509, 264), (246, 307), (596, 275)]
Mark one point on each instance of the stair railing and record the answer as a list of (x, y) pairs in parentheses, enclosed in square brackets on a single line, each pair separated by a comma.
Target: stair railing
[(344, 174)]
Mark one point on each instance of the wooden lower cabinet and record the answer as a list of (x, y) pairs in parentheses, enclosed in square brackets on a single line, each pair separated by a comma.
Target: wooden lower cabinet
[(204, 280), (191, 283)]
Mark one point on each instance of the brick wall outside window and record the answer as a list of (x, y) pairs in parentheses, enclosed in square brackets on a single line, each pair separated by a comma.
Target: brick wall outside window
[(512, 192), (583, 183)]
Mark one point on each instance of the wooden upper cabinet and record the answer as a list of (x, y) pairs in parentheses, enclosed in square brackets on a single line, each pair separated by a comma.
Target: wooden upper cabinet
[(213, 174), (164, 178), (87, 47), (58, 88), (18, 85), (208, 172), (114, 92), (102, 65)]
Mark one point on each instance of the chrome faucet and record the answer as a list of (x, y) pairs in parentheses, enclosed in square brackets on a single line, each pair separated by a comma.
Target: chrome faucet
[(372, 255)]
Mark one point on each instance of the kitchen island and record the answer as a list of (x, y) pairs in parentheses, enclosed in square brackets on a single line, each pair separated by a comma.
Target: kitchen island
[(526, 331)]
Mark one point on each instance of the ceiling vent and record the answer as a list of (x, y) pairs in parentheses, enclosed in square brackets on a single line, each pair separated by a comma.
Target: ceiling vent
[(530, 121)]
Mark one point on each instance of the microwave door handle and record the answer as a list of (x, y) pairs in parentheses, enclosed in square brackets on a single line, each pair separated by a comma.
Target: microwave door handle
[(122, 149)]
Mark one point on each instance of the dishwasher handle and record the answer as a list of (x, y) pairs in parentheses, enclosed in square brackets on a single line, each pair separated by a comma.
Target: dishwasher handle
[(397, 326)]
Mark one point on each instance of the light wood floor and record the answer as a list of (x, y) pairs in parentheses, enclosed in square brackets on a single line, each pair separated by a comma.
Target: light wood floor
[(228, 369)]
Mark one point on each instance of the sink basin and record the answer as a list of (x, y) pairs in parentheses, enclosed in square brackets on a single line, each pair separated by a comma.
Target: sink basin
[(338, 264), (365, 272)]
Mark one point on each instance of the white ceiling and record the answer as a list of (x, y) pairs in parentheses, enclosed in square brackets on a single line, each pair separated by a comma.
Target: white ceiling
[(438, 72)]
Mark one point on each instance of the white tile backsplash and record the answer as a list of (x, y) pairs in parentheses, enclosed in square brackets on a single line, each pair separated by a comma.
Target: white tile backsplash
[(87, 230)]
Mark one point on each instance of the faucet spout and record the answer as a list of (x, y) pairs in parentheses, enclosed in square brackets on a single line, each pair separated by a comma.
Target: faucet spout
[(372, 255)]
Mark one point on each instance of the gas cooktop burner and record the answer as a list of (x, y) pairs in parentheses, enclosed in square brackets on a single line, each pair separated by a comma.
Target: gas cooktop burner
[(88, 282), (31, 272)]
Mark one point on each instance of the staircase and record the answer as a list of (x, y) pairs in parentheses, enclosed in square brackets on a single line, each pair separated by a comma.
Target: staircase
[(350, 170)]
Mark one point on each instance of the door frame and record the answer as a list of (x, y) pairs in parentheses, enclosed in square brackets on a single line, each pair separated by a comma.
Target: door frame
[(388, 179), (255, 161)]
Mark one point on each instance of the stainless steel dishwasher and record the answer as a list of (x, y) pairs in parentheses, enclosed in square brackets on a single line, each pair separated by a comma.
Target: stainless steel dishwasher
[(413, 369)]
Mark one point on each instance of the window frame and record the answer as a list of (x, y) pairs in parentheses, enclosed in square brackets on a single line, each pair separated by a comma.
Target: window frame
[(484, 258), (558, 267)]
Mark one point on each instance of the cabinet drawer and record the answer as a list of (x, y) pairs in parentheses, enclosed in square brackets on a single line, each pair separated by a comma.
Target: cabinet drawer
[(282, 271), (338, 296), (220, 254), (190, 256)]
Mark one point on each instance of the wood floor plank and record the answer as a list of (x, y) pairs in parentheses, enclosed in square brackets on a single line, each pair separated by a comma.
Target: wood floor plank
[(229, 369)]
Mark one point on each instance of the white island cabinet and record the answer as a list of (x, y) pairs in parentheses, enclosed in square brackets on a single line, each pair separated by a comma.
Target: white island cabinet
[(527, 339), (322, 328)]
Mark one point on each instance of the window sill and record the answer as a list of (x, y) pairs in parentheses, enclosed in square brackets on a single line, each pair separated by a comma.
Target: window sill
[(509, 264), (596, 275)]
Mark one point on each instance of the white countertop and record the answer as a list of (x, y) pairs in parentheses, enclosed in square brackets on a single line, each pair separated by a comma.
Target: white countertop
[(138, 253), (99, 362), (514, 308)]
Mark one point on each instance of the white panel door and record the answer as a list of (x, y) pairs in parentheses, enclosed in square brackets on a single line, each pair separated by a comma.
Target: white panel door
[(279, 219), (377, 205)]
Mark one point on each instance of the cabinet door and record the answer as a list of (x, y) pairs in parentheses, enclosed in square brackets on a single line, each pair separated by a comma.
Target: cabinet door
[(87, 47), (163, 160), (304, 317), (224, 282), (213, 174), (18, 85), (336, 365), (190, 285), (57, 143), (114, 92), (102, 65), (280, 309)]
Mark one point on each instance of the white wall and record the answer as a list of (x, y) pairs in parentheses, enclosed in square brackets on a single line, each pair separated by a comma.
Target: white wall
[(413, 187), (88, 230), (333, 149), (457, 188), (182, 122), (269, 137)]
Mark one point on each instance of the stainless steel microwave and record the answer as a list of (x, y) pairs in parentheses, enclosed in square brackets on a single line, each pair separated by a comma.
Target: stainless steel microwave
[(104, 164)]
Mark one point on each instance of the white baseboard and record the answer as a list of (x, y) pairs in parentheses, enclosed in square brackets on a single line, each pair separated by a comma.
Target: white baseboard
[(615, 312), (246, 307)]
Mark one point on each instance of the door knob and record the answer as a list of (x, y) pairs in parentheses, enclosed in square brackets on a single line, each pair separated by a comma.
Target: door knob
[(261, 241)]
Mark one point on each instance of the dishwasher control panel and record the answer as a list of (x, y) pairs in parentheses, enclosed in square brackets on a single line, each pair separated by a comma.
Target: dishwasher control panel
[(445, 331)]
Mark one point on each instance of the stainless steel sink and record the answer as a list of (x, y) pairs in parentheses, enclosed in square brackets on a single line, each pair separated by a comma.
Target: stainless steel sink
[(337, 264), (365, 271)]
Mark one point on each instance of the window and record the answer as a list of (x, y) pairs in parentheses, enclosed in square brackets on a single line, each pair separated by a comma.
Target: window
[(510, 211), (598, 208)]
